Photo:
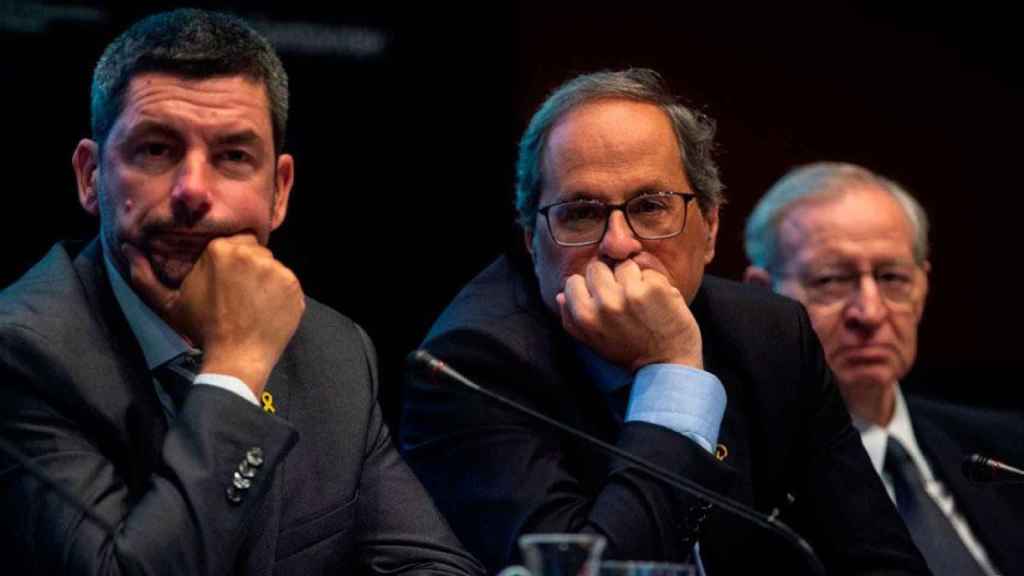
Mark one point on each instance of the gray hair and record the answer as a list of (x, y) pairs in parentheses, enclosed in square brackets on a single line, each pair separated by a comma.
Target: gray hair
[(821, 180), (694, 132), (192, 44)]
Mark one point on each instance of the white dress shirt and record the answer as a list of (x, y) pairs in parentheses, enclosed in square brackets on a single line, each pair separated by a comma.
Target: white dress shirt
[(875, 439)]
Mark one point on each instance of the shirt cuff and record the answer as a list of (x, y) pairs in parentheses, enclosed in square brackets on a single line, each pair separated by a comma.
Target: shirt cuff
[(229, 383), (686, 400)]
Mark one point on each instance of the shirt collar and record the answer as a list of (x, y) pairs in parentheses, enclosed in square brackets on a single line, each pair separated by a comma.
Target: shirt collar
[(875, 437), (608, 376), (159, 342)]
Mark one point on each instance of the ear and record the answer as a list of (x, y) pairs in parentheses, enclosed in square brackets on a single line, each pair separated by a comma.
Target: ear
[(283, 180), (757, 276), (85, 161), (711, 234), (528, 241), (926, 267)]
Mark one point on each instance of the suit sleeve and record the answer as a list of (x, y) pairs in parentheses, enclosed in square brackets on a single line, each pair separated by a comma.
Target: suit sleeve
[(496, 475), (172, 516), (400, 530)]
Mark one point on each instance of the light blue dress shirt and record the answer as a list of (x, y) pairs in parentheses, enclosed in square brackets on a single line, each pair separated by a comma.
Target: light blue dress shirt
[(685, 400)]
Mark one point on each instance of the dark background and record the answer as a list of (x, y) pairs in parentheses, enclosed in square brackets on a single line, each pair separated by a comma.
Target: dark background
[(404, 125)]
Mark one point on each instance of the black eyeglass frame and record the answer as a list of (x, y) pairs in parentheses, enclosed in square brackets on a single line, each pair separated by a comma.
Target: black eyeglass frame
[(686, 196)]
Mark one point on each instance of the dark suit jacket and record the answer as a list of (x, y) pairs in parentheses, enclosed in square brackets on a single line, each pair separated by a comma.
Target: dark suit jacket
[(495, 474), (76, 396), (947, 434)]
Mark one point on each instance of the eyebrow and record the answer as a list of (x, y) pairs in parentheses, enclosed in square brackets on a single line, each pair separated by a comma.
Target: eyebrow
[(245, 137), (150, 127)]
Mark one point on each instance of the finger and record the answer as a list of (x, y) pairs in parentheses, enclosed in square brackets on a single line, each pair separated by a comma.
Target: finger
[(567, 320), (656, 279), (628, 272), (246, 242), (145, 282), (629, 275), (579, 302), (243, 238), (602, 285)]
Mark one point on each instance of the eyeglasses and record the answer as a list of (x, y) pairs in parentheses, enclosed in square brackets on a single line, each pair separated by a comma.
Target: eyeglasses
[(894, 284), (650, 216)]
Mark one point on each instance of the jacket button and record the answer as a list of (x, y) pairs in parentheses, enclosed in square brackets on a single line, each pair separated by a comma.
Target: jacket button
[(246, 470), (241, 482), (254, 456), (234, 494)]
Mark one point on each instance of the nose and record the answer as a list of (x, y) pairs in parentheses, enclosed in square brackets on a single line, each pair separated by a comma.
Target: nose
[(190, 197), (619, 242), (866, 308)]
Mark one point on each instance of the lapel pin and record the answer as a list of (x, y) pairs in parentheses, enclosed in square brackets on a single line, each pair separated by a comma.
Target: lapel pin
[(721, 452), (268, 403)]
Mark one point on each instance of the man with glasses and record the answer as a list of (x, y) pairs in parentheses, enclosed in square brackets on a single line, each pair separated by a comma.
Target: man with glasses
[(852, 246), (612, 327)]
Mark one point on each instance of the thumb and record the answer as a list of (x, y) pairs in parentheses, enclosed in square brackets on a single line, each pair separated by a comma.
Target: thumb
[(159, 297)]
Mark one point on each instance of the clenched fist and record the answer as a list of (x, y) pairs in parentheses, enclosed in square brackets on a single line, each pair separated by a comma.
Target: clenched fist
[(239, 304), (629, 316)]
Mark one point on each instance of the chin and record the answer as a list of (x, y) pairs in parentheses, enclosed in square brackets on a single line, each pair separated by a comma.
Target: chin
[(172, 273), (867, 378)]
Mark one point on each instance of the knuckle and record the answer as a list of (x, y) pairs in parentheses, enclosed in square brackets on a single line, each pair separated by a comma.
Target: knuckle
[(218, 246)]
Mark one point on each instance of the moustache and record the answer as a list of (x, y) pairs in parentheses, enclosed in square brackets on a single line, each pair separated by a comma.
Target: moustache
[(170, 237)]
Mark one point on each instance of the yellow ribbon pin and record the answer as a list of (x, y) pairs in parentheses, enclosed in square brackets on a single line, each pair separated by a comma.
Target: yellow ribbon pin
[(268, 402)]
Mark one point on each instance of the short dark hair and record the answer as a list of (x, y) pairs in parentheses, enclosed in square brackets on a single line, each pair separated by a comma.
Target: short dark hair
[(695, 133), (193, 44)]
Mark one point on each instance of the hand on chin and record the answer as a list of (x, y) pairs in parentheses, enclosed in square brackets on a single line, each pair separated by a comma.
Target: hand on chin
[(171, 270)]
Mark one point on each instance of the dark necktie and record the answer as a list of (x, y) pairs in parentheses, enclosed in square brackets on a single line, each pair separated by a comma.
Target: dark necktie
[(618, 400), (930, 528), (176, 376)]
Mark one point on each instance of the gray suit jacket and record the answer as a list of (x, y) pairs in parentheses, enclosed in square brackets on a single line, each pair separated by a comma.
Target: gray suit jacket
[(331, 496)]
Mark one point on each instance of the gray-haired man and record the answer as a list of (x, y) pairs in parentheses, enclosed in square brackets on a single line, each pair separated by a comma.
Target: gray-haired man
[(852, 246), (613, 327)]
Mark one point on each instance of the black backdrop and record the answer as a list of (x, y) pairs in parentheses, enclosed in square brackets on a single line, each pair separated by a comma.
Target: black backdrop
[(405, 154)]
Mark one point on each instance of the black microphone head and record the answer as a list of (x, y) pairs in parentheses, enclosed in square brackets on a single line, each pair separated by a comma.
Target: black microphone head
[(975, 468), (978, 468), (421, 359)]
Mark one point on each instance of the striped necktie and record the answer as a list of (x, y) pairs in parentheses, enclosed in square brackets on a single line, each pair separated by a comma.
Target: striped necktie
[(176, 376), (929, 527)]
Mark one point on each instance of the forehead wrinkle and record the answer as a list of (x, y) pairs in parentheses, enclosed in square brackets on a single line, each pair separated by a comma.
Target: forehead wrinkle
[(601, 145), (846, 228), (215, 108)]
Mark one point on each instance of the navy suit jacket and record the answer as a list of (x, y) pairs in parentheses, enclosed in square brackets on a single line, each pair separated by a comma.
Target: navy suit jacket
[(75, 395), (947, 434), (786, 438)]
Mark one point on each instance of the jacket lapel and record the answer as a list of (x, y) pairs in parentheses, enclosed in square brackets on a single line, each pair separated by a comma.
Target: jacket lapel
[(991, 520), (120, 385)]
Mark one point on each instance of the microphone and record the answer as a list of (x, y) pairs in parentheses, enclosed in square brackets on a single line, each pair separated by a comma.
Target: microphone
[(983, 470), (427, 360)]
